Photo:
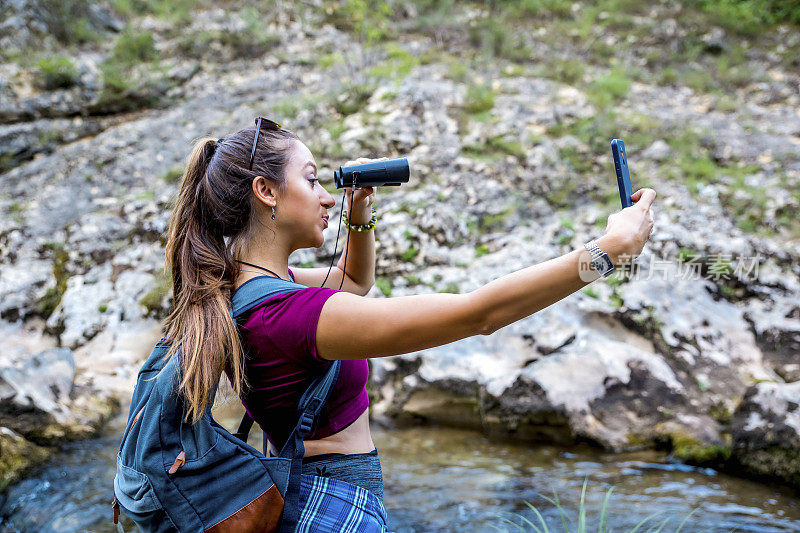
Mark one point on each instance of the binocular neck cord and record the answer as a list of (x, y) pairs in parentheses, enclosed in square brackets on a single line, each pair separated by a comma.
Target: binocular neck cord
[(338, 229)]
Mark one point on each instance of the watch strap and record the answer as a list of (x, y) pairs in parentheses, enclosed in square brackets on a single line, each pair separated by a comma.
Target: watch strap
[(600, 260)]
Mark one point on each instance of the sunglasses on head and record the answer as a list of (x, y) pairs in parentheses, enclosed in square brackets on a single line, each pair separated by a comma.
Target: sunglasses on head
[(272, 125)]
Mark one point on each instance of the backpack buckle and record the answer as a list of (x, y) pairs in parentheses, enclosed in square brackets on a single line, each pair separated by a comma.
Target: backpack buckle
[(305, 423)]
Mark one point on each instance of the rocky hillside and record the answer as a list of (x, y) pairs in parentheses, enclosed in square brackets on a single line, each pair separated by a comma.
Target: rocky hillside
[(506, 112)]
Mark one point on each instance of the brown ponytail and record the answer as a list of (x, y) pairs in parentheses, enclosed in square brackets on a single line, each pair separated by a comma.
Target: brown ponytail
[(211, 220)]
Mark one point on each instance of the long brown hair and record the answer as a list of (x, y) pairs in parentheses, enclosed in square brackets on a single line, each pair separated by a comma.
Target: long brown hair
[(213, 216)]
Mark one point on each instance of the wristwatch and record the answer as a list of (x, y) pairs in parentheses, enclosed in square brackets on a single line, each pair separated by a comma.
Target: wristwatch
[(600, 260)]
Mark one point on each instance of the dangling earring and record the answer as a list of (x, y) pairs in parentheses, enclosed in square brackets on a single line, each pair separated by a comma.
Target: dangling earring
[(273, 212)]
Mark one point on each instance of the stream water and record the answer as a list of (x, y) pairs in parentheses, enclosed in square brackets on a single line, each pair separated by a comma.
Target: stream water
[(451, 480)]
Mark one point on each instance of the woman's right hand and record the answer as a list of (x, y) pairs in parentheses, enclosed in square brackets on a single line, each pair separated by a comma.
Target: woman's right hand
[(627, 230)]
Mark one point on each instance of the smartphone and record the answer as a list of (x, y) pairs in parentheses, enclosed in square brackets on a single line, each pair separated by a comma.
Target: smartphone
[(623, 176)]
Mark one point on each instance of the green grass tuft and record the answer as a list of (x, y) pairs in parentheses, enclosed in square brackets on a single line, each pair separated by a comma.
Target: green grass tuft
[(384, 285), (579, 524), (480, 98), (609, 88), (55, 72)]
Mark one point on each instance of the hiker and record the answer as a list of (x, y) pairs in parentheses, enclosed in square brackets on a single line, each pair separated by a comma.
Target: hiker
[(247, 201)]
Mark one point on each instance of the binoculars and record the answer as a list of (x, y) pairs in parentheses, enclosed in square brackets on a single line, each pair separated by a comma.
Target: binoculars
[(374, 174)]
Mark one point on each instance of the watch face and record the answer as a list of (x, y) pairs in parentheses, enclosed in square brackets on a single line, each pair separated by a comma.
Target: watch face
[(599, 265), (603, 265)]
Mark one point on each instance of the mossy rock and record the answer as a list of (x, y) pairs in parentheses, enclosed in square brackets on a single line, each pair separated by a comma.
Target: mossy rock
[(692, 451), (772, 463), (153, 300), (18, 456)]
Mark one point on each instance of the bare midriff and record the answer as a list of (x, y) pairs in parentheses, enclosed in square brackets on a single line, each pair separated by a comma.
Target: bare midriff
[(355, 438)]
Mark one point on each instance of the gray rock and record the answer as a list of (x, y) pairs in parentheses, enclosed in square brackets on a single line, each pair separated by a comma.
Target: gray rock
[(41, 382), (43, 397), (78, 316), (22, 285), (659, 151), (97, 236), (766, 432), (560, 375)]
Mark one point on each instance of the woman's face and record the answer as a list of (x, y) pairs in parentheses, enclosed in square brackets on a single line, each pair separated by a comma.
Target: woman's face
[(304, 201)]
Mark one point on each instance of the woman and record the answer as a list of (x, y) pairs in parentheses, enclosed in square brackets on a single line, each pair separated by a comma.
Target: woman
[(246, 203)]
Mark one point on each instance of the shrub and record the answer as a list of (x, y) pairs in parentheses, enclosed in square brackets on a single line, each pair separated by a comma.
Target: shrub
[(609, 88), (750, 17), (55, 72), (172, 175), (68, 20), (492, 35), (133, 47), (480, 98)]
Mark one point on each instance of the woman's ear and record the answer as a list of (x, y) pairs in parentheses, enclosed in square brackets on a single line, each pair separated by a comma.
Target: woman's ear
[(265, 191)]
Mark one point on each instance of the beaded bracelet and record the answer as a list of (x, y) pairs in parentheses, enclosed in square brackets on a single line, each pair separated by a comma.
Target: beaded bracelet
[(361, 227)]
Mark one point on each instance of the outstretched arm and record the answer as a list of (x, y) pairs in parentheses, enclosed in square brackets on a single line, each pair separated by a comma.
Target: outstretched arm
[(353, 327)]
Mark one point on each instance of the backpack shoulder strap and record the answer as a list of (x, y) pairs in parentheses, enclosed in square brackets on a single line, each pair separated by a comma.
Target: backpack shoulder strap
[(256, 290), (310, 406)]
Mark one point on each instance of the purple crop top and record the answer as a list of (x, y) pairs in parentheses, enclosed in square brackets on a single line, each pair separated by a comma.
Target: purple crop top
[(279, 336)]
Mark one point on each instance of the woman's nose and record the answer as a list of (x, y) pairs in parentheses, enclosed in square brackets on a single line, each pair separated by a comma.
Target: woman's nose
[(326, 199)]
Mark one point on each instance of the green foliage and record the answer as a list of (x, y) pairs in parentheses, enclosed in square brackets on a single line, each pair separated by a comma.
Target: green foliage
[(52, 297), (252, 41), (694, 165), (68, 21), (173, 174), (495, 148), (639, 131), (433, 15), (488, 222), (115, 82), (384, 285), (102, 308), (451, 287), (492, 36), (569, 71), (329, 60), (371, 21), (481, 250), (609, 88), (412, 279), (397, 65), (55, 72), (691, 450), (591, 292), (153, 299), (480, 98), (615, 299), (131, 50), (353, 97), (541, 8), (175, 11), (242, 44), (686, 255), (410, 254), (751, 17), (133, 47)]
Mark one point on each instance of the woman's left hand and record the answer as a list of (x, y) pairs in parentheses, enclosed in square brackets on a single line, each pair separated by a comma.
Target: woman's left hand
[(362, 198)]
